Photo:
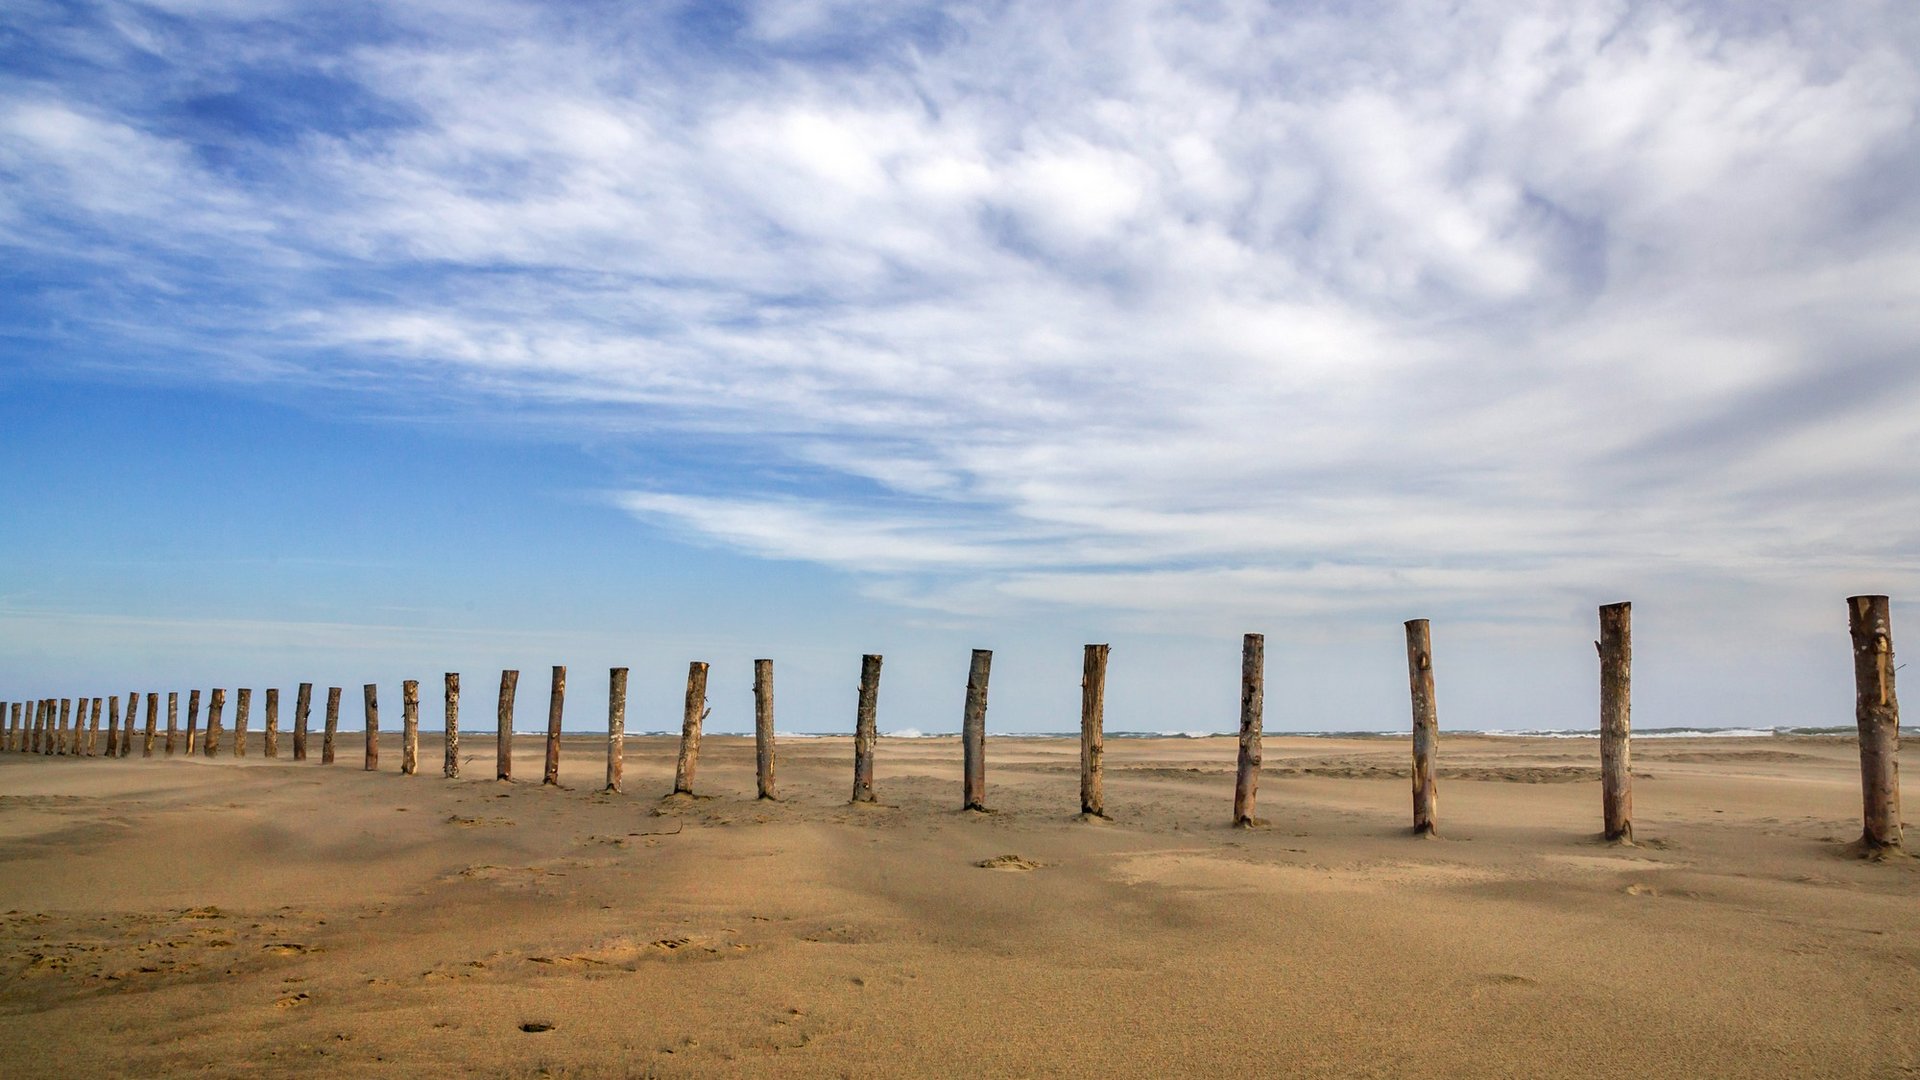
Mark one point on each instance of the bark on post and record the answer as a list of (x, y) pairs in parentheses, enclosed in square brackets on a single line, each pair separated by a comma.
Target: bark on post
[(503, 746), (556, 705), (616, 725), (216, 706), (1876, 712), (193, 722), (93, 728), (39, 725), (451, 768), (370, 695), (1253, 696), (1093, 712), (13, 727), (409, 727), (126, 734), (864, 724), (242, 710), (153, 721), (271, 746), (60, 734), (331, 727), (690, 723), (1426, 726), (113, 726), (763, 727), (1616, 720), (302, 704), (973, 733)]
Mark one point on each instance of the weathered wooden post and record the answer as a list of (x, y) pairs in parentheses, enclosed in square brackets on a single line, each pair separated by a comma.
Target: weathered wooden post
[(242, 710), (690, 722), (113, 726), (864, 724), (503, 746), (13, 727), (973, 733), (451, 767), (763, 727), (302, 704), (62, 734), (1253, 696), (216, 706), (370, 694), (409, 727), (331, 725), (616, 725), (126, 735), (173, 718), (39, 726), (153, 720), (271, 746), (93, 729), (1426, 726), (1093, 711), (1616, 720), (55, 709), (1876, 712), (193, 722), (556, 705)]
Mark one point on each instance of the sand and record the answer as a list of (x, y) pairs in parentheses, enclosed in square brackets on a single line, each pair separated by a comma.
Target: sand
[(258, 918)]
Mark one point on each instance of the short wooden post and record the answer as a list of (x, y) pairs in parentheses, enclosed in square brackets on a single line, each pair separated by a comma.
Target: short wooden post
[(113, 726), (331, 725), (216, 707), (302, 704), (173, 720), (865, 722), (690, 723), (39, 726), (616, 725), (13, 727), (763, 727), (242, 712), (153, 720), (63, 734), (271, 746), (126, 734), (451, 768), (1093, 711), (1426, 726), (1616, 720), (1253, 696), (1876, 712), (93, 728), (409, 727), (55, 715), (370, 694), (556, 705), (193, 722), (503, 745), (973, 733)]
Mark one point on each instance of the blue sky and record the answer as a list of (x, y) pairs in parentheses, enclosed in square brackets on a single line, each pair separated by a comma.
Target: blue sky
[(360, 342)]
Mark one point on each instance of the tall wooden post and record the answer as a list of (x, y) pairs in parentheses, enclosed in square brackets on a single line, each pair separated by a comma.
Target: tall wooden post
[(1093, 713), (556, 705), (39, 726), (1253, 696), (216, 707), (93, 729), (409, 727), (271, 746), (1616, 720), (153, 720), (503, 742), (193, 722), (616, 725), (60, 732), (113, 726), (242, 710), (451, 768), (865, 721), (1426, 727), (330, 728), (690, 722), (370, 694), (302, 704), (173, 719), (973, 733), (126, 734), (763, 726), (13, 727), (1876, 712)]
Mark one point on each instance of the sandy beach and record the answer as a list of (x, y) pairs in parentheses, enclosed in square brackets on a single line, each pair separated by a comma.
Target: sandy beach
[(266, 918)]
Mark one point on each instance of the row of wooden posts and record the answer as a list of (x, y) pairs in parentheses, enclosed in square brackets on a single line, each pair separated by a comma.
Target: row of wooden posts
[(48, 731)]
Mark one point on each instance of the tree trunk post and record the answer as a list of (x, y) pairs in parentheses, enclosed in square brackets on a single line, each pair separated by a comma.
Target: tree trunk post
[(113, 726), (13, 727), (763, 726), (1426, 727), (242, 710), (39, 725), (270, 745), (616, 725), (330, 726), (1876, 711), (93, 729), (126, 733), (302, 705), (973, 734), (690, 723), (503, 741), (865, 721), (193, 723), (370, 695), (556, 706), (153, 720), (1093, 713), (451, 768), (1616, 720), (1253, 696), (60, 732), (216, 709), (409, 727)]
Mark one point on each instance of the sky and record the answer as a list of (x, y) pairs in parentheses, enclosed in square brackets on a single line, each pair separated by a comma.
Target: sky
[(347, 342)]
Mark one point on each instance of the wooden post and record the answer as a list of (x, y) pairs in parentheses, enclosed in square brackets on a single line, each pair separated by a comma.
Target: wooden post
[(113, 726), (690, 722), (216, 706), (1876, 712), (864, 724), (616, 725), (13, 727), (60, 735), (451, 768), (1253, 696), (332, 725), (153, 720), (763, 727), (409, 727), (302, 704), (503, 747), (1616, 720), (556, 704), (39, 726), (370, 694), (973, 733), (126, 734), (271, 747), (1093, 712), (93, 729), (1426, 726), (193, 722), (242, 710)]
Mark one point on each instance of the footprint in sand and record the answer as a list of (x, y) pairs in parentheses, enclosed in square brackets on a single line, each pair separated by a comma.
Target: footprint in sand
[(288, 1001), (1008, 862)]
